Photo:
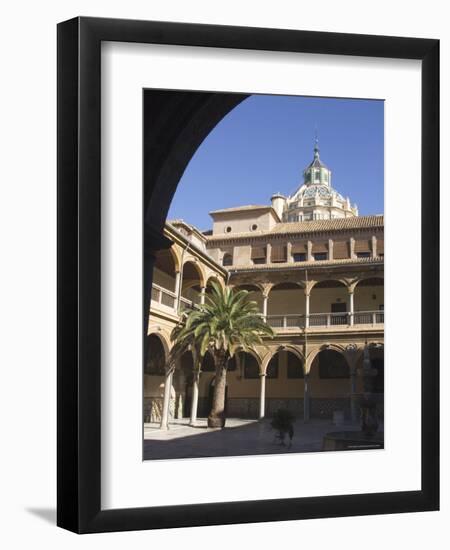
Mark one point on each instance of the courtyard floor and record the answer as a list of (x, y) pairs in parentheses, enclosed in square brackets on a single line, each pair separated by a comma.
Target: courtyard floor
[(239, 437)]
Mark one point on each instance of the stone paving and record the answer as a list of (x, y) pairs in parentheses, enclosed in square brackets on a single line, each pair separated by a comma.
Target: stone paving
[(239, 437)]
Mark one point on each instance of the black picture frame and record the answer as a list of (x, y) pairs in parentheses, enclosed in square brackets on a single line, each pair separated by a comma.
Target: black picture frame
[(79, 281)]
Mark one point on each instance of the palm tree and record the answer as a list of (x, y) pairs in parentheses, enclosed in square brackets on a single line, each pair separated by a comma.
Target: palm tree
[(228, 321)]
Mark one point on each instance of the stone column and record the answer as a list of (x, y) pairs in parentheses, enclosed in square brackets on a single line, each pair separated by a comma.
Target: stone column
[(262, 396), (202, 294), (353, 408), (265, 299), (352, 248), (351, 295), (374, 246), (166, 401), (309, 251), (330, 249), (177, 289), (194, 404), (306, 400), (307, 295), (290, 259), (269, 253)]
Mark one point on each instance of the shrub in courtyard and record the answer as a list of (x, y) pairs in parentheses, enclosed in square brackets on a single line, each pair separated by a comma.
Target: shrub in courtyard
[(283, 424)]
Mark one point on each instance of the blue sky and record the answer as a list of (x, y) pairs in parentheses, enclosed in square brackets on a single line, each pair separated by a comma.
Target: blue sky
[(262, 146)]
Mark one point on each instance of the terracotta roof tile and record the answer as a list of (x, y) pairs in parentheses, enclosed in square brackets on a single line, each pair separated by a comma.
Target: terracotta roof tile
[(337, 224), (300, 265)]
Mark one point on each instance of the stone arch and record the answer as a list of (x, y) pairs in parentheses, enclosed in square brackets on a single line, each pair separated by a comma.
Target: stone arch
[(214, 277), (165, 268), (255, 291), (328, 296), (285, 300), (175, 124), (253, 353), (369, 294), (165, 340), (155, 344), (360, 280), (176, 257), (197, 267), (321, 282), (315, 352), (271, 354)]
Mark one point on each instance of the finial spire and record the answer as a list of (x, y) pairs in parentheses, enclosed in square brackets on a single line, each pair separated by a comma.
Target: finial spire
[(316, 144)]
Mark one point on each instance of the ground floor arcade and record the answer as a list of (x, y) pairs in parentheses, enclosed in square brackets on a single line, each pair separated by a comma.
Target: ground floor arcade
[(315, 380)]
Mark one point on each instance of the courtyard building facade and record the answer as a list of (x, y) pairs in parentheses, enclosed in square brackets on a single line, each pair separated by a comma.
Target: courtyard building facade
[(315, 268)]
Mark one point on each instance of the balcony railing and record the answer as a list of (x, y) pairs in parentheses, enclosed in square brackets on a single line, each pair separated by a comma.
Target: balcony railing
[(168, 298), (326, 319)]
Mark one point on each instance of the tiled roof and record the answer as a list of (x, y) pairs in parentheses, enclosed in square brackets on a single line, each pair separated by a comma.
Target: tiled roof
[(337, 224), (300, 265), (355, 222), (239, 208)]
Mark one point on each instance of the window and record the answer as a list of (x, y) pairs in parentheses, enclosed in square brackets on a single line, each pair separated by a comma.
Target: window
[(299, 257), (227, 259), (254, 227), (318, 256), (228, 229), (317, 176), (279, 253), (363, 254), (258, 254)]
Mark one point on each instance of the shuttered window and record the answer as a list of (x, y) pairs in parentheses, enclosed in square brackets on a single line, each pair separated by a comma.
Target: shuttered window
[(258, 253), (279, 253), (320, 247), (298, 248), (363, 245), (341, 250), (380, 247)]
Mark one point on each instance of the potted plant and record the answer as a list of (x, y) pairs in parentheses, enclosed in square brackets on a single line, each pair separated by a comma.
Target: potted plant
[(283, 424)]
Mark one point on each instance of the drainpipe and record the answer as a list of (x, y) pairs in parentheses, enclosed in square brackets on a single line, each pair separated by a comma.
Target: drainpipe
[(181, 278)]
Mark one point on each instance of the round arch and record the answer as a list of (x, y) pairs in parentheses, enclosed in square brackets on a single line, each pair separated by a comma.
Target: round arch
[(157, 352), (328, 283), (175, 124), (287, 348), (176, 258), (331, 363), (378, 280), (193, 271), (255, 293), (285, 303), (211, 278), (252, 353), (315, 352), (369, 295)]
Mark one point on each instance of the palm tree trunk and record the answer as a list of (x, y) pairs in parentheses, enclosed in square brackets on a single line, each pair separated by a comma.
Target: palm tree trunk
[(216, 418)]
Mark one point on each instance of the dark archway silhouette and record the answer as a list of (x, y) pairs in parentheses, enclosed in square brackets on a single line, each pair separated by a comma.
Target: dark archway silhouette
[(175, 124)]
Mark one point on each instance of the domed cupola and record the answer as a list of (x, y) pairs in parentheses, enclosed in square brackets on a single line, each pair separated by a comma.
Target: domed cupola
[(317, 172), (315, 199)]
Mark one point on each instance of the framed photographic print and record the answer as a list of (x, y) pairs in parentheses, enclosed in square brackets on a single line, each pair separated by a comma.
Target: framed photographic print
[(232, 345)]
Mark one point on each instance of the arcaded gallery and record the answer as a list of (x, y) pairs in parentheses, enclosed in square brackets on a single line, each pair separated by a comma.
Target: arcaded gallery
[(315, 268)]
